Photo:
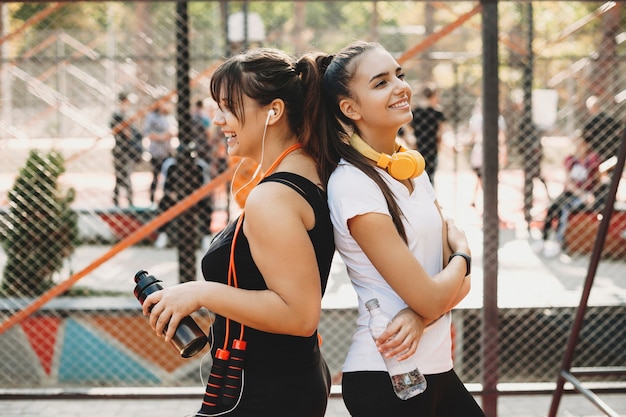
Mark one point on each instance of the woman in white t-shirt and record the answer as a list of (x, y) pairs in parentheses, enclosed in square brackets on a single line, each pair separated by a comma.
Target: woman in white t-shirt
[(391, 235)]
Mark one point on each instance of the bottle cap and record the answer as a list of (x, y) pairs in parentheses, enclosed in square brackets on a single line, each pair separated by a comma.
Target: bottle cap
[(140, 274), (371, 304)]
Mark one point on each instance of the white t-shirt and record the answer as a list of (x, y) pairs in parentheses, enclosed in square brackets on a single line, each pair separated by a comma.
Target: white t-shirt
[(352, 193)]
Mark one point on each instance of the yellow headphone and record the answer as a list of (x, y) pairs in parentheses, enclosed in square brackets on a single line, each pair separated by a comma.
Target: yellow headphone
[(402, 164)]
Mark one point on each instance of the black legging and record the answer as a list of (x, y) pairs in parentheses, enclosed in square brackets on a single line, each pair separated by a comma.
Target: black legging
[(369, 394)]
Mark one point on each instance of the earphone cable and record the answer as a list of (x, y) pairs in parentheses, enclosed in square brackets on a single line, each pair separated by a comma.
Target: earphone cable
[(258, 169)]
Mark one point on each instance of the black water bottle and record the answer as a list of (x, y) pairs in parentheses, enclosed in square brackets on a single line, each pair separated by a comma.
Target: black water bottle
[(189, 338)]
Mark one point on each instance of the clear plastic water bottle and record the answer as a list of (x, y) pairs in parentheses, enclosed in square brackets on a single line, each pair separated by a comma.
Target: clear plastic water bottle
[(406, 379)]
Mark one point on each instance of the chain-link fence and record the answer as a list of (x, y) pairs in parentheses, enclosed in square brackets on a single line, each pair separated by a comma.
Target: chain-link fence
[(105, 125)]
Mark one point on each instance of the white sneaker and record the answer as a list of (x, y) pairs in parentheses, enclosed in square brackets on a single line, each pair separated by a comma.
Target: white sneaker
[(161, 241), (552, 250)]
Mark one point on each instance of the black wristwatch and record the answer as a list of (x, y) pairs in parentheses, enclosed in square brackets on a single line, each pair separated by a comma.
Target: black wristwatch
[(468, 261)]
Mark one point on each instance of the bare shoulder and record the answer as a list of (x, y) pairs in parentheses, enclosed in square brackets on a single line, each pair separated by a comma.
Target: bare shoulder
[(275, 203)]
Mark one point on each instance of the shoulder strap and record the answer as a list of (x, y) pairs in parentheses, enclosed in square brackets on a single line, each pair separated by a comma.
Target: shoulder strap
[(309, 191)]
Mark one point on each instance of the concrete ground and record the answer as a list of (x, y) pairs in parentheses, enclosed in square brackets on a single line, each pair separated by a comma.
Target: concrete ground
[(571, 405)]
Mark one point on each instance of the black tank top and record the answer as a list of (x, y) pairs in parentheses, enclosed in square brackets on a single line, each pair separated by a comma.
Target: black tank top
[(269, 352)]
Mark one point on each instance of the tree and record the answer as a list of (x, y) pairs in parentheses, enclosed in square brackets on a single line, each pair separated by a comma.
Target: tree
[(42, 229)]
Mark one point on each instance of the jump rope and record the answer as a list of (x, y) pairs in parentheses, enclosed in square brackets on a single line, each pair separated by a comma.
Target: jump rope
[(225, 384)]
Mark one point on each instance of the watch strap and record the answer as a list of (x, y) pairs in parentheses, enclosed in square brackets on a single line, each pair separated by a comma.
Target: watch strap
[(468, 261)]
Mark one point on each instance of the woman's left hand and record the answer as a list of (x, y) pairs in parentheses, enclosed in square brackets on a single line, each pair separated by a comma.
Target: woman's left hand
[(402, 336)]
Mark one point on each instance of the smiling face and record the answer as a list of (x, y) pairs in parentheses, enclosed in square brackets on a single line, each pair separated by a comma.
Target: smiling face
[(380, 95), (246, 86), (243, 135)]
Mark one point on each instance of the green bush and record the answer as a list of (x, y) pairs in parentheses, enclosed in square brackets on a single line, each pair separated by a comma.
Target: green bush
[(41, 229)]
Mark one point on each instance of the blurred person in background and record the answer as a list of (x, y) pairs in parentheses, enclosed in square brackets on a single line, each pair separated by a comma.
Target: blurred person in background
[(202, 131), (475, 127), (602, 131), (428, 124), (217, 142), (200, 114), (179, 183), (159, 130), (528, 137), (205, 154), (582, 177), (220, 161), (124, 149)]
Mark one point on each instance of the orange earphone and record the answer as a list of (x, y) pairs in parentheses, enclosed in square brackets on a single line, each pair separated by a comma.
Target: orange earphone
[(402, 164)]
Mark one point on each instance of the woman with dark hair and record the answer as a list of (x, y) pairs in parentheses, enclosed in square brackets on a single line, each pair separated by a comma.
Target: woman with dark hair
[(393, 239), (265, 274)]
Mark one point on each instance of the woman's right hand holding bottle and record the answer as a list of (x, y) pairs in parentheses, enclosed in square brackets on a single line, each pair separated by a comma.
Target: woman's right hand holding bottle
[(402, 335)]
